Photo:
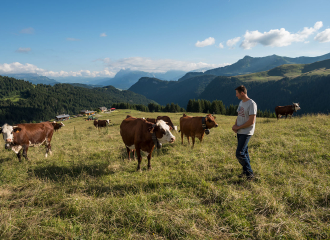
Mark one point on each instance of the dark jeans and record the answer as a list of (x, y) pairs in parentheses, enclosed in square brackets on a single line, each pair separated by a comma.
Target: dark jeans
[(242, 153)]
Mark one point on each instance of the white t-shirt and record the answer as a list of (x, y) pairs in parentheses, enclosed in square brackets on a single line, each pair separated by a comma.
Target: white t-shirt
[(244, 110)]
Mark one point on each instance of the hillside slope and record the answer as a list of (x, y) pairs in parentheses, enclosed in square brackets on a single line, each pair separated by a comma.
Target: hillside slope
[(21, 100), (310, 91), (165, 92), (249, 64)]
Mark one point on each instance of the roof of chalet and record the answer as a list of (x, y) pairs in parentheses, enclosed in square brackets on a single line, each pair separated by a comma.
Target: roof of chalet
[(63, 116), (86, 111)]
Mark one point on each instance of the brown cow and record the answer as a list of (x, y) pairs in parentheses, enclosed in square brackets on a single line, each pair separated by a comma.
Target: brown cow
[(165, 119), (23, 136), (286, 110), (196, 127), (101, 123), (139, 134), (57, 126)]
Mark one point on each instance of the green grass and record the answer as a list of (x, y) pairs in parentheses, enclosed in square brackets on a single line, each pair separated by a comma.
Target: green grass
[(278, 73), (15, 98), (89, 190)]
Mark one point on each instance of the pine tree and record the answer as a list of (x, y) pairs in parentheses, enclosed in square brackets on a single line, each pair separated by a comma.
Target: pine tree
[(190, 105)]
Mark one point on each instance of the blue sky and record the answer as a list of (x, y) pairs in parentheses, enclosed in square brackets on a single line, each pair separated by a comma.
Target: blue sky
[(98, 38)]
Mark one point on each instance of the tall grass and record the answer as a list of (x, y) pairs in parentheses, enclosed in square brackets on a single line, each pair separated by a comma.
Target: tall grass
[(89, 190)]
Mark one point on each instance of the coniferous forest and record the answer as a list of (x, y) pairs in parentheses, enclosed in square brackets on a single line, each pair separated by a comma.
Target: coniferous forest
[(21, 101)]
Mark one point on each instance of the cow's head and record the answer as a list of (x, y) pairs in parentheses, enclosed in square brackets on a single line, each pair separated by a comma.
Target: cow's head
[(296, 106), (162, 131), (210, 121), (8, 134), (62, 124), (108, 121), (167, 121)]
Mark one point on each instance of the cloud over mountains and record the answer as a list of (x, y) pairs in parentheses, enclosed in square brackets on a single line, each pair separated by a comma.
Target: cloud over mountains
[(110, 68), (277, 37)]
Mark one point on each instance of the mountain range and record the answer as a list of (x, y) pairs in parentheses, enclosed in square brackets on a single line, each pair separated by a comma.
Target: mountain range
[(33, 78), (281, 85), (256, 64), (125, 78)]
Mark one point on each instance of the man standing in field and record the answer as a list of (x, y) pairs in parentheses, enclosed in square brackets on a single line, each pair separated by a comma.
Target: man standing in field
[(244, 127)]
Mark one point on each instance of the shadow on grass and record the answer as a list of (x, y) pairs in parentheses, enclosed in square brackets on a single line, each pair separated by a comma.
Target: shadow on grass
[(125, 189), (61, 173), (7, 159)]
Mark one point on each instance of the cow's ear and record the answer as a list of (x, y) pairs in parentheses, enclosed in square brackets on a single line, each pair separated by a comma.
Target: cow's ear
[(17, 129), (214, 117)]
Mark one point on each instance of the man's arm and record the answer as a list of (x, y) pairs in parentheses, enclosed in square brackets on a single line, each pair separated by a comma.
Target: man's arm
[(234, 126), (252, 119)]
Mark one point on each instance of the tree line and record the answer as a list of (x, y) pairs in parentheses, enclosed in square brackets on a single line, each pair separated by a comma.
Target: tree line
[(200, 106), (152, 107), (23, 101), (217, 107)]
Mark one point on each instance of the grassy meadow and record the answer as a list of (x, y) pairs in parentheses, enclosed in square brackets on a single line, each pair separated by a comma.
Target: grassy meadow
[(89, 190)]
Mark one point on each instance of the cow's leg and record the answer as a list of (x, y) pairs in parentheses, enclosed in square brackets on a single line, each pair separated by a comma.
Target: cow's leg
[(128, 153), (193, 141), (48, 148), (133, 154), (19, 156), (25, 150), (201, 138), (149, 158), (138, 153), (188, 140)]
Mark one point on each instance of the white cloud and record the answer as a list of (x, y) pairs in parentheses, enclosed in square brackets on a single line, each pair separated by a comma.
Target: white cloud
[(220, 45), (159, 65), (103, 35), (72, 39), (29, 30), (232, 42), (207, 42), (111, 67), (323, 36), (16, 67), (277, 37), (23, 50)]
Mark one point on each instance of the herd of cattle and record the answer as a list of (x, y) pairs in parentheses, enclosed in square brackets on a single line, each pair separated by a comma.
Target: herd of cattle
[(138, 134)]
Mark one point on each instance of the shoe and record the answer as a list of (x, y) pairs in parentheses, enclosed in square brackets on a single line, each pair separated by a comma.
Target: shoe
[(250, 177)]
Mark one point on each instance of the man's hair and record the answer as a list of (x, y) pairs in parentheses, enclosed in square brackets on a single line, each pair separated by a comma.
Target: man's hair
[(241, 89)]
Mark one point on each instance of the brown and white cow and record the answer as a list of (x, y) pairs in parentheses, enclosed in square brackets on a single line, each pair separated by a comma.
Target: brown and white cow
[(57, 126), (196, 127), (23, 136), (166, 119), (286, 110), (101, 123), (140, 135)]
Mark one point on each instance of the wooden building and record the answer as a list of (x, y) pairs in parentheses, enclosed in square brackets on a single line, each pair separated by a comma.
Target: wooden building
[(62, 117), (87, 112), (103, 109)]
